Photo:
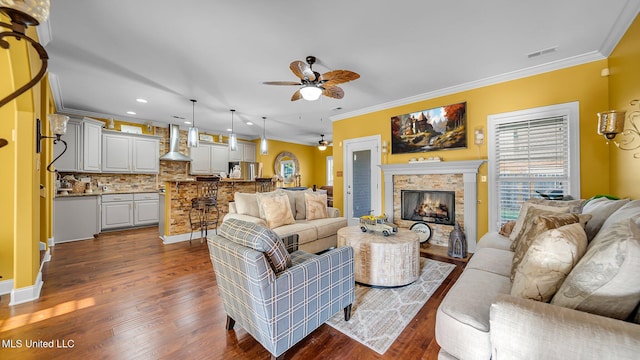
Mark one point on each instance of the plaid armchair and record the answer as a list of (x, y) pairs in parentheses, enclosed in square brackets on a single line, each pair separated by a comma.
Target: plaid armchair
[(277, 297)]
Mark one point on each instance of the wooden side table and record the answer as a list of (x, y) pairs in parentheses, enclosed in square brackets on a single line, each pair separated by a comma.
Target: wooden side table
[(383, 260)]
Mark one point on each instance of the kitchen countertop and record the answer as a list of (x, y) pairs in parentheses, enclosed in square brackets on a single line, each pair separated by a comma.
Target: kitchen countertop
[(98, 193)]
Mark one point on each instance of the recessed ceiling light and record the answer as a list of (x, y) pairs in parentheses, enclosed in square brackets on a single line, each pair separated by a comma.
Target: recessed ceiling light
[(141, 101), (131, 112), (188, 122), (249, 123), (229, 130)]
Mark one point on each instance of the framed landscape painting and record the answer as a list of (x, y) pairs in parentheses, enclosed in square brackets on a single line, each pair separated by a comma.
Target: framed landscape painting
[(441, 128)]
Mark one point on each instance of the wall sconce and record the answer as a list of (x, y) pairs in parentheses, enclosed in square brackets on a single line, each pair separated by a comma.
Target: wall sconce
[(58, 128), (611, 123), (22, 14), (385, 146), (478, 134)]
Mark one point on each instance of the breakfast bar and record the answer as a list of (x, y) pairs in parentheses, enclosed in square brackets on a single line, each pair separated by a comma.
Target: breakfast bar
[(174, 221)]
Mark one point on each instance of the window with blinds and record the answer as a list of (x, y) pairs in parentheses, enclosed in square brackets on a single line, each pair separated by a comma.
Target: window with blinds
[(530, 155)]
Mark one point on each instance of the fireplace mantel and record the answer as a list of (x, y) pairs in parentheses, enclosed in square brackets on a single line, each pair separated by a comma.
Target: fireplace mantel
[(468, 169)]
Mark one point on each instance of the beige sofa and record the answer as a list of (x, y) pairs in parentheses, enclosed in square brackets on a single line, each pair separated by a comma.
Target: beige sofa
[(314, 235), (480, 318)]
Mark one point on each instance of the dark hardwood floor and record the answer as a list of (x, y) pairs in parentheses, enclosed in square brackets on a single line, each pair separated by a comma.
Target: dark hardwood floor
[(125, 295)]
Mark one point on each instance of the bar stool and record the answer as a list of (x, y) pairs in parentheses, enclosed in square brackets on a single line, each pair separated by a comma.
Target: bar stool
[(201, 214), (263, 184)]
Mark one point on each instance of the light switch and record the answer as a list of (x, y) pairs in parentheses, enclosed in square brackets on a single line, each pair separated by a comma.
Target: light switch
[(483, 178)]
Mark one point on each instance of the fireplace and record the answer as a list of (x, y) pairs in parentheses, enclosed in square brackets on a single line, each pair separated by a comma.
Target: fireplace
[(433, 206)]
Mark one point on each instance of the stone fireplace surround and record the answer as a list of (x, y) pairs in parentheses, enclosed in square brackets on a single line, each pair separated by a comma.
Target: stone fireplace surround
[(466, 215)]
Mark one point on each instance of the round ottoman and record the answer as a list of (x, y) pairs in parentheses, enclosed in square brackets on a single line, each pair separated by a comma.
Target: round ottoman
[(383, 260)]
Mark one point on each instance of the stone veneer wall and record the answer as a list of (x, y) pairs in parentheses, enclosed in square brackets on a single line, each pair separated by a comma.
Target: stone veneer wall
[(181, 193), (449, 182)]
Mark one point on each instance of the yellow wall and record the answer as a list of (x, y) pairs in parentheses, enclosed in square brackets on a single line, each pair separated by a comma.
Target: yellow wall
[(22, 225), (306, 157), (624, 86), (580, 83)]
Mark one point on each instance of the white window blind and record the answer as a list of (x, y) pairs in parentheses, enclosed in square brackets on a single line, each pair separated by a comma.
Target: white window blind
[(531, 153)]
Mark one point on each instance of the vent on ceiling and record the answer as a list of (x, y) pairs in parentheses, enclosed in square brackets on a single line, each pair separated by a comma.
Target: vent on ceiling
[(542, 52)]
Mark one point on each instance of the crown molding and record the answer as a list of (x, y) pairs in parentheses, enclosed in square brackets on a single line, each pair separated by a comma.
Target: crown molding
[(513, 75)]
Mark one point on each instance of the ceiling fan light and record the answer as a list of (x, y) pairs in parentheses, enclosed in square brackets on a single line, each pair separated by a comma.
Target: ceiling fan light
[(322, 147), (310, 92)]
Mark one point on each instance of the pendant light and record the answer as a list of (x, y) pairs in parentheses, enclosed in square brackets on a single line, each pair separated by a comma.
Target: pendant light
[(264, 147), (233, 140), (192, 137)]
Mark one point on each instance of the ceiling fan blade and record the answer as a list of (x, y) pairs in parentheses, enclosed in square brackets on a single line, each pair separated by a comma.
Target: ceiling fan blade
[(302, 70), (296, 96), (339, 76), (282, 83), (335, 92)]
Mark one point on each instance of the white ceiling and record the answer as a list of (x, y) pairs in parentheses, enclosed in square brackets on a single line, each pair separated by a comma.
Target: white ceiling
[(105, 54)]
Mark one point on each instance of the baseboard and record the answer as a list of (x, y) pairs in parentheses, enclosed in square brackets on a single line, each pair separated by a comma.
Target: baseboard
[(172, 239), (27, 293), (51, 242), (43, 245), (6, 286)]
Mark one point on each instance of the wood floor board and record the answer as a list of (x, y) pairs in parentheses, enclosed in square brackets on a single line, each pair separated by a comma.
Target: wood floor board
[(125, 295)]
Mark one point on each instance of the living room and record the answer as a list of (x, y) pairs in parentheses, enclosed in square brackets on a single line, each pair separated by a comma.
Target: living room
[(604, 169)]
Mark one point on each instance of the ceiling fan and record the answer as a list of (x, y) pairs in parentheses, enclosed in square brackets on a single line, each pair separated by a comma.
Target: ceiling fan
[(312, 84), (322, 144)]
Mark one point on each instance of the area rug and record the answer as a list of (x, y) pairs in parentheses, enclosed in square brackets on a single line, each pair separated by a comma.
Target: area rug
[(379, 315)]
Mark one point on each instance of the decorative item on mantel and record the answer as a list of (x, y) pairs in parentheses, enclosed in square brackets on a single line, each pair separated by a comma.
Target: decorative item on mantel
[(425, 160), (457, 243)]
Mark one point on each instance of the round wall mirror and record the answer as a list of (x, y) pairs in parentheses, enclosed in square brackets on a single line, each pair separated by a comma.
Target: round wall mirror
[(287, 167)]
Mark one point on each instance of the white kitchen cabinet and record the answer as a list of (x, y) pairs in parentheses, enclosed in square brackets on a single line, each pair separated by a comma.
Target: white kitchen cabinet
[(209, 158), (69, 161), (249, 152), (116, 153), (146, 154), (145, 209), (75, 218), (91, 145), (246, 152), (117, 211), (127, 153)]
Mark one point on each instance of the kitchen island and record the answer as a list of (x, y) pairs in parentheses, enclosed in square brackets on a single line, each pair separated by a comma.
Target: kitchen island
[(174, 222)]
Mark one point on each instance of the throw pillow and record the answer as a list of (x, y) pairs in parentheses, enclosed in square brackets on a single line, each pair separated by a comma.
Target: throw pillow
[(275, 209), (257, 238), (507, 228), (600, 209), (301, 205), (575, 206), (246, 204), (605, 281), (540, 222), (523, 215), (630, 210), (316, 206), (548, 261)]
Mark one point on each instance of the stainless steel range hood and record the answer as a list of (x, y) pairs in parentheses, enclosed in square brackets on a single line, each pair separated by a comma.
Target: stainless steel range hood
[(174, 146)]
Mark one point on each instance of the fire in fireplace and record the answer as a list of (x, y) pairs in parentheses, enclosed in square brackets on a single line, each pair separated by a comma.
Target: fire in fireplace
[(432, 206)]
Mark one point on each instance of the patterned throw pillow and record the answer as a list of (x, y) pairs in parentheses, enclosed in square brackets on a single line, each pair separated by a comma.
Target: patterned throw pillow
[(548, 261), (605, 281), (600, 210), (507, 228), (536, 226), (275, 209), (575, 206), (523, 217), (257, 238), (316, 206)]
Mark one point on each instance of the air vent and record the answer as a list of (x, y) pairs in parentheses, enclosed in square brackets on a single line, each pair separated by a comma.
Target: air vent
[(542, 52)]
